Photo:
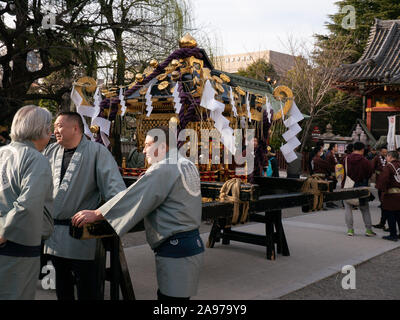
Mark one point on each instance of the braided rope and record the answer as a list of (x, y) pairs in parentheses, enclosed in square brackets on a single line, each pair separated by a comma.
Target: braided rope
[(233, 186), (311, 186)]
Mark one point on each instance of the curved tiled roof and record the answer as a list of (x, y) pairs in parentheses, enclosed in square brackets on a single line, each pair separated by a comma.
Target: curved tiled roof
[(380, 61)]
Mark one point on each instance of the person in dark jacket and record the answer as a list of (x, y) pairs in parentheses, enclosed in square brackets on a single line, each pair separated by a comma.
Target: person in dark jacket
[(389, 184), (260, 159), (312, 154), (331, 157), (378, 163), (319, 165), (4, 138), (135, 159), (359, 169), (349, 149)]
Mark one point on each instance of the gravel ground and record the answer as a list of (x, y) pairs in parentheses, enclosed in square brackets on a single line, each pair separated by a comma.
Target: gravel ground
[(376, 279)]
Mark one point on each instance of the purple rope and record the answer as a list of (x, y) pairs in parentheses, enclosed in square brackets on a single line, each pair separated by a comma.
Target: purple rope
[(191, 103), (177, 54)]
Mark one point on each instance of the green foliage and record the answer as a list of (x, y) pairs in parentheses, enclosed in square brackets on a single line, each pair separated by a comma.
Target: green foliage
[(277, 129), (259, 70), (343, 116), (366, 12)]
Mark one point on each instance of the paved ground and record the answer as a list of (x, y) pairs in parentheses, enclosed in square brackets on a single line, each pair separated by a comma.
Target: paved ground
[(319, 248)]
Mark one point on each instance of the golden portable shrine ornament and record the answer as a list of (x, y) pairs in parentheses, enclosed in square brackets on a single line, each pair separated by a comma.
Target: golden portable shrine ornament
[(162, 77), (163, 85), (139, 77), (187, 41), (193, 71), (94, 128), (175, 75), (143, 91), (153, 63), (225, 78), (283, 93)]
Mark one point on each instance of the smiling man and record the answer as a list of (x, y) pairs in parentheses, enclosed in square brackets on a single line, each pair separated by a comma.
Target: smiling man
[(168, 198), (84, 175)]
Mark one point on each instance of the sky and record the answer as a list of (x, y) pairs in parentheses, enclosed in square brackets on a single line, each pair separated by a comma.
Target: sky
[(239, 26)]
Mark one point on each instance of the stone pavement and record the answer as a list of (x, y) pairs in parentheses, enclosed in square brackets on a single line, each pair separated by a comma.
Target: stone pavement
[(319, 248)]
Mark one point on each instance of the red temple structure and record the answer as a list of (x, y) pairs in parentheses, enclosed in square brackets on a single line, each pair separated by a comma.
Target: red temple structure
[(376, 76)]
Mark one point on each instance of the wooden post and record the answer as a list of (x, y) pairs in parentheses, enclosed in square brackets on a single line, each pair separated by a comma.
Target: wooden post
[(100, 260), (115, 268), (126, 283)]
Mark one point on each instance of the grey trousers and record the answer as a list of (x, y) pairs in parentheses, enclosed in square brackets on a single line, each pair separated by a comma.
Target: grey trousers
[(179, 277), (18, 277), (348, 212)]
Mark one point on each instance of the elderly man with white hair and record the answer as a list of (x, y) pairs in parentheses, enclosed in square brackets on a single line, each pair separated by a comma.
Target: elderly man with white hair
[(25, 194)]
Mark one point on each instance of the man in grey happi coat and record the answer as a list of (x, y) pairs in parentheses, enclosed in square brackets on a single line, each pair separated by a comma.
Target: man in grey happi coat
[(168, 197), (25, 194), (84, 174)]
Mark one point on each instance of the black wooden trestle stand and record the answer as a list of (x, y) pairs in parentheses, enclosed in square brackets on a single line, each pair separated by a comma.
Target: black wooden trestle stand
[(274, 234), (270, 196)]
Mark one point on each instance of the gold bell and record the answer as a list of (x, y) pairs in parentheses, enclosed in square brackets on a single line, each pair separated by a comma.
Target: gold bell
[(175, 75), (187, 41), (139, 77), (153, 63), (174, 63), (94, 129)]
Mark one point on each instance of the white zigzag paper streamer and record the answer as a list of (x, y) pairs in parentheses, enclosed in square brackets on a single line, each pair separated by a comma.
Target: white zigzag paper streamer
[(149, 106), (122, 102), (232, 99), (292, 142), (97, 101), (177, 99), (268, 105), (248, 106), (221, 123)]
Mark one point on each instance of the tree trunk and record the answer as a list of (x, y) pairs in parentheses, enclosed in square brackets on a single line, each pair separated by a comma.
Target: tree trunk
[(306, 132), (119, 82), (120, 58)]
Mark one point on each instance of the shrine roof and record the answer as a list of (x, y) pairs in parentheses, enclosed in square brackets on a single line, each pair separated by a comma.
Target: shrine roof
[(380, 62)]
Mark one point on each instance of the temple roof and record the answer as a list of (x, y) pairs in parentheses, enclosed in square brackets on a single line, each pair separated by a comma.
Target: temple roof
[(380, 62)]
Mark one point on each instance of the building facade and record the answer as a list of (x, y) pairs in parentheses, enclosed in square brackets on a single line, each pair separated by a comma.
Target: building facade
[(233, 62)]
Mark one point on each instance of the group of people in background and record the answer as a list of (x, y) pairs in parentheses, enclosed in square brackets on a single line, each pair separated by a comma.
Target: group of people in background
[(363, 166)]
